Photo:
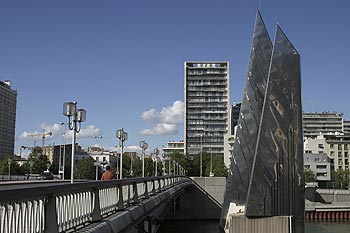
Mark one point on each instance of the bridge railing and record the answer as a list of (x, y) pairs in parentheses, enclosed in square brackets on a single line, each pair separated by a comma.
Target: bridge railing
[(67, 207)]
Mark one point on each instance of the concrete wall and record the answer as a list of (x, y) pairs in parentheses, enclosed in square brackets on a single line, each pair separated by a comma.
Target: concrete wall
[(215, 186), (242, 224), (200, 202)]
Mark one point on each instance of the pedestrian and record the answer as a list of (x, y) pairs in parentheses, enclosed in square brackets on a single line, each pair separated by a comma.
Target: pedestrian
[(107, 175)]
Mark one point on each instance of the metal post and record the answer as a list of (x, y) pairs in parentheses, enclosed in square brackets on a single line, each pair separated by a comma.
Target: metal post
[(211, 162), (9, 166), (121, 159), (200, 171), (143, 162), (73, 151), (60, 161), (169, 166), (64, 152)]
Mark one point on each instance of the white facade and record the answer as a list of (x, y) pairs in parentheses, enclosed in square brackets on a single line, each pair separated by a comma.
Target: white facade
[(173, 147), (335, 147), (105, 158), (207, 98)]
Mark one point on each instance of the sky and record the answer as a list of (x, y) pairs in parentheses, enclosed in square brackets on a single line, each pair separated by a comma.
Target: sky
[(122, 61)]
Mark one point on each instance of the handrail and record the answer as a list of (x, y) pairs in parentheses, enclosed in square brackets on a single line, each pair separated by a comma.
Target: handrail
[(60, 207)]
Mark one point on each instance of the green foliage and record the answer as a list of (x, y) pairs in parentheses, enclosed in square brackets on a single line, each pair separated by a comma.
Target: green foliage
[(37, 161), (310, 176), (86, 169), (192, 164), (341, 179), (15, 169)]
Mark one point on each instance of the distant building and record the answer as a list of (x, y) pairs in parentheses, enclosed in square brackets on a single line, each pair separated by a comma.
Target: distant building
[(321, 166), (105, 158), (326, 123), (328, 133), (8, 103), (173, 147), (55, 152), (207, 98), (229, 138)]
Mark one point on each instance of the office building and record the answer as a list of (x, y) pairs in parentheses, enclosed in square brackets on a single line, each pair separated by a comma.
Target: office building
[(8, 103), (206, 106)]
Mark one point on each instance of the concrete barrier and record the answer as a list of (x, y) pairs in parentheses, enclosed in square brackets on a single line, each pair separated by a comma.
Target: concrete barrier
[(238, 223)]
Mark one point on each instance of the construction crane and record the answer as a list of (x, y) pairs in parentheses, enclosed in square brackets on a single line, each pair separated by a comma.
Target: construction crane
[(43, 135)]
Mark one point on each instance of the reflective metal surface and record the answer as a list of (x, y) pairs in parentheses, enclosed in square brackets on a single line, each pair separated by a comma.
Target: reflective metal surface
[(277, 181), (249, 119), (266, 172)]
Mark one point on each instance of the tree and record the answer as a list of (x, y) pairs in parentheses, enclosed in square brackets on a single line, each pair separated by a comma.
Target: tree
[(341, 179), (86, 169), (37, 161), (15, 169), (310, 176)]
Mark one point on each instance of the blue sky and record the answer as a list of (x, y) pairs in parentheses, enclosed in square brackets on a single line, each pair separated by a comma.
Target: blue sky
[(122, 61)]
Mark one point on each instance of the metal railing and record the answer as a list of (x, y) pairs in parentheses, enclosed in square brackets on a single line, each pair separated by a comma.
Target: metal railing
[(67, 207)]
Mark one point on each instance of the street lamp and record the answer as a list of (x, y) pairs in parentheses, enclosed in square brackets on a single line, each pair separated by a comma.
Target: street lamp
[(156, 152), (64, 134), (9, 165), (211, 163), (74, 116), (201, 157), (144, 146), (122, 136)]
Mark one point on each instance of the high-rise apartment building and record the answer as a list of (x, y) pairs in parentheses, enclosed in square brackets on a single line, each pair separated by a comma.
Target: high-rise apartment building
[(8, 103), (325, 123), (206, 106)]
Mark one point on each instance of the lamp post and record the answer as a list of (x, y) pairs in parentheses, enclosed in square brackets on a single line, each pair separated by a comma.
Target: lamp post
[(9, 166), (122, 136), (201, 157), (211, 163), (156, 152), (144, 146), (75, 116), (64, 134)]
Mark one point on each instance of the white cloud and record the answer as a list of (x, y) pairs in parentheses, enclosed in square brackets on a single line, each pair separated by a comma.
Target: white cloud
[(57, 129), (173, 114), (165, 121), (161, 129)]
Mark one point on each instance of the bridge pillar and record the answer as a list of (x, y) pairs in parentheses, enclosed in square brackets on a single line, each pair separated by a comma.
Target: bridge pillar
[(51, 224), (96, 213)]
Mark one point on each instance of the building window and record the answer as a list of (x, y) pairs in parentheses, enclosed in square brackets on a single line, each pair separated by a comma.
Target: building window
[(340, 147), (339, 154), (332, 153), (320, 146), (321, 166), (331, 146), (307, 166), (322, 174), (346, 147), (104, 159), (97, 158), (317, 159)]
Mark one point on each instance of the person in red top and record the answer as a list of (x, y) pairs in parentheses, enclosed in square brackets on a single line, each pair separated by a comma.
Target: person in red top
[(107, 175)]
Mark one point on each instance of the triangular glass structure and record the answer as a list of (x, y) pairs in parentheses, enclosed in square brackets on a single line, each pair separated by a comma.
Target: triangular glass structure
[(276, 186), (249, 119)]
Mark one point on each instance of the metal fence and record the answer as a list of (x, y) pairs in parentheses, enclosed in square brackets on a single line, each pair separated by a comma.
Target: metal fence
[(62, 207)]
